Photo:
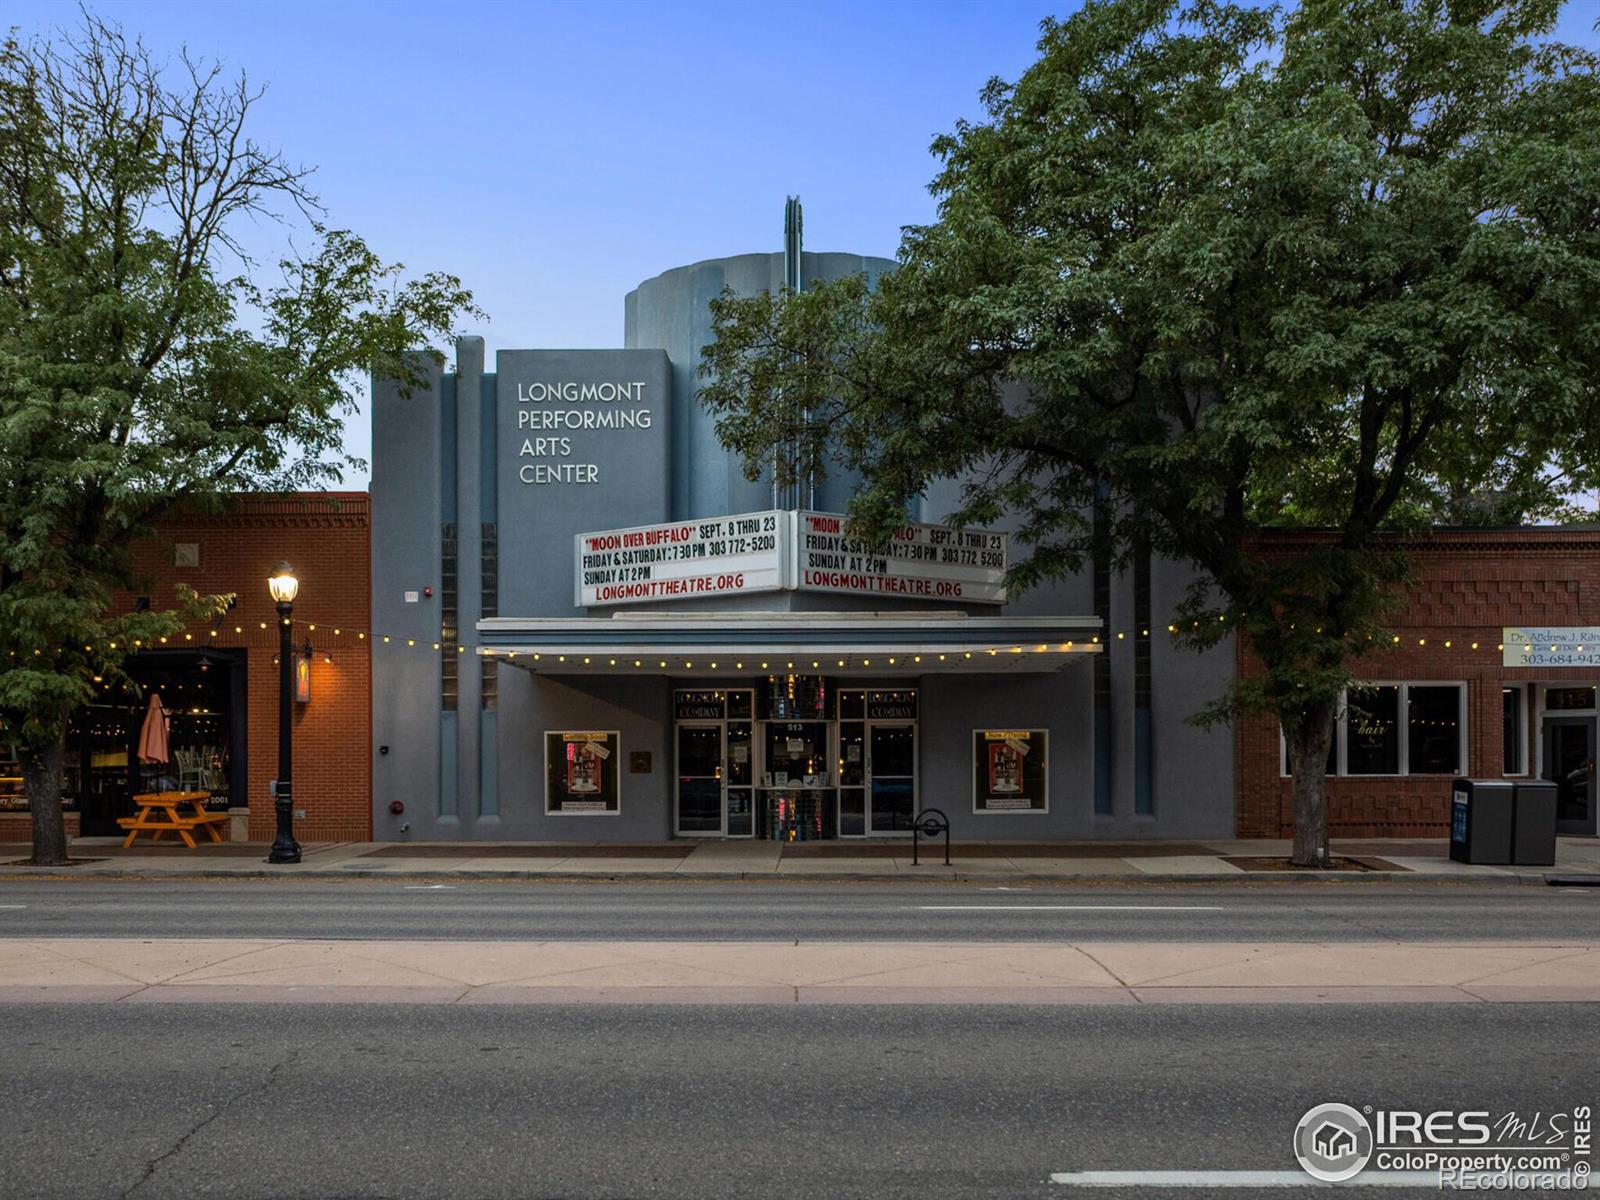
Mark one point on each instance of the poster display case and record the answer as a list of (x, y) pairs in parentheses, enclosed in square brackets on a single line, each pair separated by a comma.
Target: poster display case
[(1010, 770), (581, 772)]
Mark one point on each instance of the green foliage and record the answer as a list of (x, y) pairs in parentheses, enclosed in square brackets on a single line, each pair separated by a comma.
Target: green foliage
[(1334, 267), (144, 363)]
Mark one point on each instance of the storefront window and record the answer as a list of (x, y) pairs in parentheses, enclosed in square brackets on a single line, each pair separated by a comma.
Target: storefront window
[(1406, 729), (1372, 731), (1514, 746), (796, 698), (797, 754), (11, 793), (1433, 730)]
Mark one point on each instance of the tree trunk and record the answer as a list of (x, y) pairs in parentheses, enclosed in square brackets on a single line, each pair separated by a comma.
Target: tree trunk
[(41, 779), (1308, 765)]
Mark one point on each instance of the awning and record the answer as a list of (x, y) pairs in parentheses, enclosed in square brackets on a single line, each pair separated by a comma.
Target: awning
[(875, 643)]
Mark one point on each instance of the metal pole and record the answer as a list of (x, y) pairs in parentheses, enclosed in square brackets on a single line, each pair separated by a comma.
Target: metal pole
[(284, 848)]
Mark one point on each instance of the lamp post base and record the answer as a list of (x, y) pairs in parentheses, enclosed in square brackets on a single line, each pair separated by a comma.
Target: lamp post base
[(284, 848)]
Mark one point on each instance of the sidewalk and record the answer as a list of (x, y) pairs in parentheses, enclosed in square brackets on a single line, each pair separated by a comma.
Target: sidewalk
[(85, 970), (1376, 860)]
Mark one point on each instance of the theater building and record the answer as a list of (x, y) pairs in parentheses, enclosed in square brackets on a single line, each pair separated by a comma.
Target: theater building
[(637, 643)]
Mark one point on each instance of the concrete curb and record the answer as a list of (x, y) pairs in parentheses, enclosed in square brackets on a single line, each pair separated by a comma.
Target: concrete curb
[(935, 875)]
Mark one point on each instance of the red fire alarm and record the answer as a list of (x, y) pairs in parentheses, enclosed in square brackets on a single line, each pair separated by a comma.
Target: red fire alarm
[(427, 593), (397, 807)]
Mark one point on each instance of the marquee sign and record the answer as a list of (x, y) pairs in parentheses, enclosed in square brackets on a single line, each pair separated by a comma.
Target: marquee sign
[(1551, 646), (683, 560), (777, 550), (921, 562)]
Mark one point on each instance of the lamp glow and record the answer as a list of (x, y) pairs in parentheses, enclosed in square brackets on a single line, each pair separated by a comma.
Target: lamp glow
[(282, 584)]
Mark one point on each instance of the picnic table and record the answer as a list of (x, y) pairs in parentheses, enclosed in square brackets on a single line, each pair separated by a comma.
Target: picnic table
[(163, 812)]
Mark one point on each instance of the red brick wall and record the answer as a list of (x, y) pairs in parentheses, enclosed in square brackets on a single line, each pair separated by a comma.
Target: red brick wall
[(17, 827), (1468, 586), (326, 537)]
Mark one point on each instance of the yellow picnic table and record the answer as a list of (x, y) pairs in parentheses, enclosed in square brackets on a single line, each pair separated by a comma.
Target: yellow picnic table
[(162, 812)]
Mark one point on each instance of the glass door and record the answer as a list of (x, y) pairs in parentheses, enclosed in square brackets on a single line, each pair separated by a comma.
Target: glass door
[(700, 778), (740, 779), (892, 771), (1569, 763)]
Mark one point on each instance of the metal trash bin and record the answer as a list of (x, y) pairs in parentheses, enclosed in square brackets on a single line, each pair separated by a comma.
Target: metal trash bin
[(1533, 823), (1481, 821)]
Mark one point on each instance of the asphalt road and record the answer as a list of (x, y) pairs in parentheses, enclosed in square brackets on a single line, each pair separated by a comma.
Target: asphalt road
[(741, 911), (601, 1101)]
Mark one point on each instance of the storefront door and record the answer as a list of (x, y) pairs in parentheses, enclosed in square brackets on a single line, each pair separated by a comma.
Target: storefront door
[(700, 782), (1569, 762), (892, 772)]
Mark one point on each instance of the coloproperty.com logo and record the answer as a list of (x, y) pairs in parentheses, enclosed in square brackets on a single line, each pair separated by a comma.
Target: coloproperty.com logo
[(1456, 1149)]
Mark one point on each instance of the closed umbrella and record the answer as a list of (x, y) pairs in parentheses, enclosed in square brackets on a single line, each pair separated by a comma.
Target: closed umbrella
[(153, 737)]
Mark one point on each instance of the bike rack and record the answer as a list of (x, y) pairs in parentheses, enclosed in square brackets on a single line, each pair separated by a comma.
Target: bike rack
[(930, 823)]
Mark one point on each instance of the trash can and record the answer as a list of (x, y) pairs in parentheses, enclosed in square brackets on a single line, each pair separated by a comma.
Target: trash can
[(1533, 823), (1480, 821)]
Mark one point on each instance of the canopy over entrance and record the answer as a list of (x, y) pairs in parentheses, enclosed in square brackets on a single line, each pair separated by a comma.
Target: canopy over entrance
[(867, 643)]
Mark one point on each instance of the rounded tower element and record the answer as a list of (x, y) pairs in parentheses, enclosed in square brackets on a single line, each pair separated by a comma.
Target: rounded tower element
[(672, 312)]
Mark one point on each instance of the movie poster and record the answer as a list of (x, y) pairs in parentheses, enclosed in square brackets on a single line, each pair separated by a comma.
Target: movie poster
[(581, 771), (1009, 770)]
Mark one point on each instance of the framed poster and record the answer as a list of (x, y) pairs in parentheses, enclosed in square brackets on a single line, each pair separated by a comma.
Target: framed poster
[(1010, 770), (580, 772)]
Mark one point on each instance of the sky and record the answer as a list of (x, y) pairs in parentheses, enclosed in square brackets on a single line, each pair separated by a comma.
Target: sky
[(555, 155)]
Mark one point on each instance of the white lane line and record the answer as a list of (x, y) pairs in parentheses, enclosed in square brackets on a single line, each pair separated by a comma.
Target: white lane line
[(1069, 907), (1238, 1179), (13, 906), (430, 887)]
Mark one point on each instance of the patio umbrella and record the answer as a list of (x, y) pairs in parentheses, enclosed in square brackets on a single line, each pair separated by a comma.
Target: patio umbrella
[(153, 737)]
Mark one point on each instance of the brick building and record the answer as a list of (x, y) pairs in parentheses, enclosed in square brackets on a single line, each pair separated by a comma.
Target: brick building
[(1447, 702), (220, 679)]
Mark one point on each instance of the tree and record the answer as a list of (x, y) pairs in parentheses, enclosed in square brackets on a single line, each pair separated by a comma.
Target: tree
[(142, 364), (1230, 270)]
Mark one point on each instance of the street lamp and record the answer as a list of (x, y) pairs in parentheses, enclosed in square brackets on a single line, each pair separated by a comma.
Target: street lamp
[(284, 588)]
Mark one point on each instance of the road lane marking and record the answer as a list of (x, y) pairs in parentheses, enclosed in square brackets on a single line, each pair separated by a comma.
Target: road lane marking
[(1069, 907), (1238, 1179), (13, 906), (430, 887)]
